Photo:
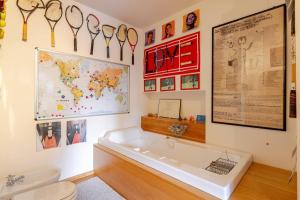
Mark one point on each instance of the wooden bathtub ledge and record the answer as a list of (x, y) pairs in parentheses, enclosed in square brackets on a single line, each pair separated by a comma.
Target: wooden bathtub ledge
[(135, 181)]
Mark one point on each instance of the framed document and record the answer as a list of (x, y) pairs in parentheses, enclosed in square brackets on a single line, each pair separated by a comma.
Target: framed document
[(249, 70), (169, 108)]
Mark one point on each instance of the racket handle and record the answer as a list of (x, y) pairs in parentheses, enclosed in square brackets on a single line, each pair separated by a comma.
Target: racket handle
[(92, 48), (132, 59), (52, 39), (75, 44), (121, 54), (24, 36), (107, 52)]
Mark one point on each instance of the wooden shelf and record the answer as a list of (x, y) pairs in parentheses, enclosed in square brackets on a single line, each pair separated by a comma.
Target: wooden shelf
[(194, 132)]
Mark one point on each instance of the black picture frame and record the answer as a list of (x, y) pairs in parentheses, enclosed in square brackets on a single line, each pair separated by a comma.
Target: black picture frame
[(283, 128)]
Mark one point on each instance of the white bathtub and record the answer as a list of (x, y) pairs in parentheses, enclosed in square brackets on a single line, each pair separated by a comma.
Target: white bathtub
[(32, 179), (180, 159)]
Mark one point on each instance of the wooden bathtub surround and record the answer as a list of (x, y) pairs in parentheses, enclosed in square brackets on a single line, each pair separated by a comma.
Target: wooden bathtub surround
[(194, 132), (135, 181)]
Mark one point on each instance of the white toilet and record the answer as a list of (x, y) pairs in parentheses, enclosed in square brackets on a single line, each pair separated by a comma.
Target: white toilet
[(56, 191)]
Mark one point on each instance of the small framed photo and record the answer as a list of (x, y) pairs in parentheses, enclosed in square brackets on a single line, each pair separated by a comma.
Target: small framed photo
[(168, 30), (190, 82), (76, 131), (169, 108), (150, 37), (167, 84), (191, 20), (150, 85), (48, 135)]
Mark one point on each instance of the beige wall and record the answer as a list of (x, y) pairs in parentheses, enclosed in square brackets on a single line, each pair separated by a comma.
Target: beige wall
[(17, 82), (215, 12)]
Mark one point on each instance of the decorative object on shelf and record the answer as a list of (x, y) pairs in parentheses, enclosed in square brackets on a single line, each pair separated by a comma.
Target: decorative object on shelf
[(80, 86), (178, 129), (190, 82), (167, 84), (293, 96), (48, 135), (191, 20), (192, 118), (27, 7), (169, 108), (108, 32), (200, 118), (150, 37), (93, 26), (150, 85), (151, 115), (179, 56), (249, 69), (76, 132), (121, 36), (2, 18), (53, 13), (74, 17), (132, 38), (168, 30)]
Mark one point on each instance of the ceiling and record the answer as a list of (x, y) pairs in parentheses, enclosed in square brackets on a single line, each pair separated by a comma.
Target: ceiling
[(139, 13)]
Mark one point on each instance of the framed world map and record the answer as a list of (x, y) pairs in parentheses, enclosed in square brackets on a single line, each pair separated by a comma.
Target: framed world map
[(75, 86)]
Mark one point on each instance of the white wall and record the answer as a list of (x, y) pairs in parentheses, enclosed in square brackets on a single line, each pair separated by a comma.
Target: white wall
[(17, 82), (298, 92), (215, 12)]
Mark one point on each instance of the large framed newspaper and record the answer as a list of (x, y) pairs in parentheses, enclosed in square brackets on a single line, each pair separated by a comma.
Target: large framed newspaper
[(249, 71)]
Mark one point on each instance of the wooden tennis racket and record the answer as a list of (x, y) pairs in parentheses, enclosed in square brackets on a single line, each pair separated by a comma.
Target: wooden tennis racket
[(108, 32), (93, 26), (74, 17), (132, 38), (53, 14), (27, 7), (121, 36)]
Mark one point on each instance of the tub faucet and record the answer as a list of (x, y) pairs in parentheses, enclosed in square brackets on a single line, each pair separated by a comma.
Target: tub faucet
[(13, 179)]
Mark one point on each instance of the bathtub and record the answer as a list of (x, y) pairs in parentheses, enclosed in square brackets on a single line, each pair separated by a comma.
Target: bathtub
[(32, 179), (183, 160)]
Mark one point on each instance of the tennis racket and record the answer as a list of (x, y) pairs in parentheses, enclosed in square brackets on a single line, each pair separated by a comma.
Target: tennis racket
[(93, 26), (108, 32), (27, 7), (132, 38), (74, 18), (53, 14), (172, 55), (121, 36), (159, 59)]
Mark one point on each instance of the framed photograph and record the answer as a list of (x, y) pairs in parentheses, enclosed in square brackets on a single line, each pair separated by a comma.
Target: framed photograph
[(249, 71), (169, 108), (150, 85), (168, 30), (167, 84), (191, 20), (76, 132), (150, 37), (48, 135), (190, 82)]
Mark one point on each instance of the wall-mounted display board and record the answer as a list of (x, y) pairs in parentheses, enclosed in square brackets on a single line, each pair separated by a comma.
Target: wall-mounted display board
[(75, 86), (179, 56), (249, 68)]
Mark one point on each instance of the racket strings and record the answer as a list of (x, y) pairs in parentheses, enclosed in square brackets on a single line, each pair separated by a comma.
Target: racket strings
[(122, 33), (108, 31), (93, 24)]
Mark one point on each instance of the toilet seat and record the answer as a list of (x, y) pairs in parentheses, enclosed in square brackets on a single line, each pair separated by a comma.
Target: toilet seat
[(57, 191)]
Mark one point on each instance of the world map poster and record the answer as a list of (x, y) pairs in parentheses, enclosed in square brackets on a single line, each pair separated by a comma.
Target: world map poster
[(75, 86)]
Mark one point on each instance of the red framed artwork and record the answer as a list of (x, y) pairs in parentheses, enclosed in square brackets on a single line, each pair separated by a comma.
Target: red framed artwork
[(179, 56), (190, 82), (167, 84), (150, 85)]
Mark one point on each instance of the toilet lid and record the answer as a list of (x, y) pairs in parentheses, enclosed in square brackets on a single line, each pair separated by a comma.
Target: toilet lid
[(56, 191)]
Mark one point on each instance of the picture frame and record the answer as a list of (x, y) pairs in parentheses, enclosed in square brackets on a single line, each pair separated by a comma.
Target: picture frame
[(168, 30), (190, 82), (150, 37), (150, 85), (169, 108), (191, 20), (249, 71), (168, 84)]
